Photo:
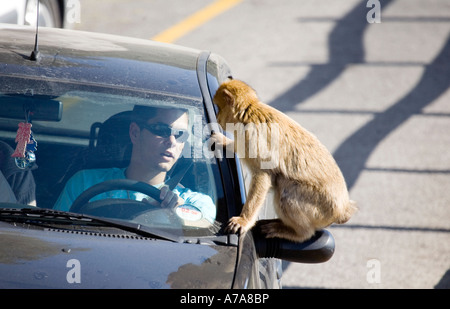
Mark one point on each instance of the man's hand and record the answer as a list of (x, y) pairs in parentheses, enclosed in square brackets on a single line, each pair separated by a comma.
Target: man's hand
[(169, 199)]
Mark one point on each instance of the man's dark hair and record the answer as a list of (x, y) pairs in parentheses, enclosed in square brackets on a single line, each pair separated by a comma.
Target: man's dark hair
[(141, 114)]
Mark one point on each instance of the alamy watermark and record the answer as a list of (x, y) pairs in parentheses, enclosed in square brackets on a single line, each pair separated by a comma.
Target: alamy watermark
[(374, 14), (373, 275), (259, 141), (74, 273), (73, 12)]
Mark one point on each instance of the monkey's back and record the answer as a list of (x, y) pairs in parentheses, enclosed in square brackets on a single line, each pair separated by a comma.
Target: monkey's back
[(301, 156)]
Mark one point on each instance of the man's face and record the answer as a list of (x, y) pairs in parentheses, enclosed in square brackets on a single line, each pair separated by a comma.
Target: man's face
[(157, 151)]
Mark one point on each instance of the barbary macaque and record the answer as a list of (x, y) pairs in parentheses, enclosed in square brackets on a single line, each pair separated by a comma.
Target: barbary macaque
[(309, 186)]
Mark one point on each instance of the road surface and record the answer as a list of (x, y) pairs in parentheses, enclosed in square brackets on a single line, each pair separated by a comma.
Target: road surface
[(376, 94)]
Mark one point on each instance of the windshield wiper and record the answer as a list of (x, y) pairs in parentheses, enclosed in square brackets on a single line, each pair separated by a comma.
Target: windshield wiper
[(34, 215)]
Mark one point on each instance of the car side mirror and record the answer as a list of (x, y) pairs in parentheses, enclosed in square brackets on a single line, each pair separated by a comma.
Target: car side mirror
[(317, 249)]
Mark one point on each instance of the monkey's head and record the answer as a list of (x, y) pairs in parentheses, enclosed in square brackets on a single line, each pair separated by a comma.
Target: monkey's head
[(232, 97)]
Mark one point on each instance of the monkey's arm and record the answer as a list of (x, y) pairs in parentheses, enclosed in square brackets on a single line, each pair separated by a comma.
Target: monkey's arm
[(260, 185), (220, 140)]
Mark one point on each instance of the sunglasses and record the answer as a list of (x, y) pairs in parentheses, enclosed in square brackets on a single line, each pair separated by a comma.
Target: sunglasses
[(166, 131)]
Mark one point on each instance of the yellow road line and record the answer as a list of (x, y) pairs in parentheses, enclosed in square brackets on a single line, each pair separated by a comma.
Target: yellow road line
[(195, 20)]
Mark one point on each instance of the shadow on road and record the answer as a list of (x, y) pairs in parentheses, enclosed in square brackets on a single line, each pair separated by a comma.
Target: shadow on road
[(342, 50), (353, 153), (444, 283)]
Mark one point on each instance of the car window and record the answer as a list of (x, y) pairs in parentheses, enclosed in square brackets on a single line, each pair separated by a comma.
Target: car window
[(93, 135)]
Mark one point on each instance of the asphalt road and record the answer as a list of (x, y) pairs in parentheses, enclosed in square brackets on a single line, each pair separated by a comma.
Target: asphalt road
[(376, 94)]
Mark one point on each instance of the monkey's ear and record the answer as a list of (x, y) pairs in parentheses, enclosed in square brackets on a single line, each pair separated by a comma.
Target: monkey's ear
[(228, 97)]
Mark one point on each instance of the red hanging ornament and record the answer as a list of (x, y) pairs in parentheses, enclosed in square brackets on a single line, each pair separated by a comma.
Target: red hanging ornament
[(22, 139)]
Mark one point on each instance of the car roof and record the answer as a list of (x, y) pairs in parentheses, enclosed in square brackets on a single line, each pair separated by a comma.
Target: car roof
[(99, 59)]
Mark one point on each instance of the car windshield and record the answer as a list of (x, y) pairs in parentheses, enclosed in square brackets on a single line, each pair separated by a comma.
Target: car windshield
[(81, 136)]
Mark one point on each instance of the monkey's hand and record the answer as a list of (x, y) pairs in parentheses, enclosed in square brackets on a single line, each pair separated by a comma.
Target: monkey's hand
[(236, 224), (220, 140)]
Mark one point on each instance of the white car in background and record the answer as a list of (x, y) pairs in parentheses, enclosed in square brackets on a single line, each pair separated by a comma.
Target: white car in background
[(52, 13)]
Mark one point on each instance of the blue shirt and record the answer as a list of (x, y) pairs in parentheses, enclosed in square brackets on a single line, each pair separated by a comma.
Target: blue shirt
[(85, 179)]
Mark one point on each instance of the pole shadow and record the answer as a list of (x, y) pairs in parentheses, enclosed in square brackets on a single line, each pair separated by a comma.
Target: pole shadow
[(345, 44), (346, 47), (353, 153)]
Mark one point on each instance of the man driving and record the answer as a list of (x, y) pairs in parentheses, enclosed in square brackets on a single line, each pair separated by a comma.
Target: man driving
[(158, 136)]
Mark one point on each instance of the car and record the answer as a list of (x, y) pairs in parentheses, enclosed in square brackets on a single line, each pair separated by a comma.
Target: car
[(76, 99), (52, 13)]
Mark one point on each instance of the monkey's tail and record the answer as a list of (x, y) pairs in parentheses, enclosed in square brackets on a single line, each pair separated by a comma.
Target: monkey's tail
[(347, 212)]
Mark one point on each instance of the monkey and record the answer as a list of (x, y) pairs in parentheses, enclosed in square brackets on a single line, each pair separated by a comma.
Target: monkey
[(309, 187)]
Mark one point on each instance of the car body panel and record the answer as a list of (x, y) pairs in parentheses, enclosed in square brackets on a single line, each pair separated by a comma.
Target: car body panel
[(54, 258)]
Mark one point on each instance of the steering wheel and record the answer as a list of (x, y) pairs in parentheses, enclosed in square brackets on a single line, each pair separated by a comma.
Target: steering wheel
[(117, 208)]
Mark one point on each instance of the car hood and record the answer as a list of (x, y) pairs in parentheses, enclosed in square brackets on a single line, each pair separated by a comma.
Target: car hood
[(55, 258)]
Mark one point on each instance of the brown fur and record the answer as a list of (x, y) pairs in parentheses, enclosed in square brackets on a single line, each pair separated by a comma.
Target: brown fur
[(309, 187)]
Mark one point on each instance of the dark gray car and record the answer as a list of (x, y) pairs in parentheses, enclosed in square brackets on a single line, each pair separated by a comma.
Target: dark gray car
[(78, 97)]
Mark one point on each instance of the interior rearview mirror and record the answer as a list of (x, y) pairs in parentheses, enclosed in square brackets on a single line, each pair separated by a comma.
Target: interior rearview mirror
[(40, 107)]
